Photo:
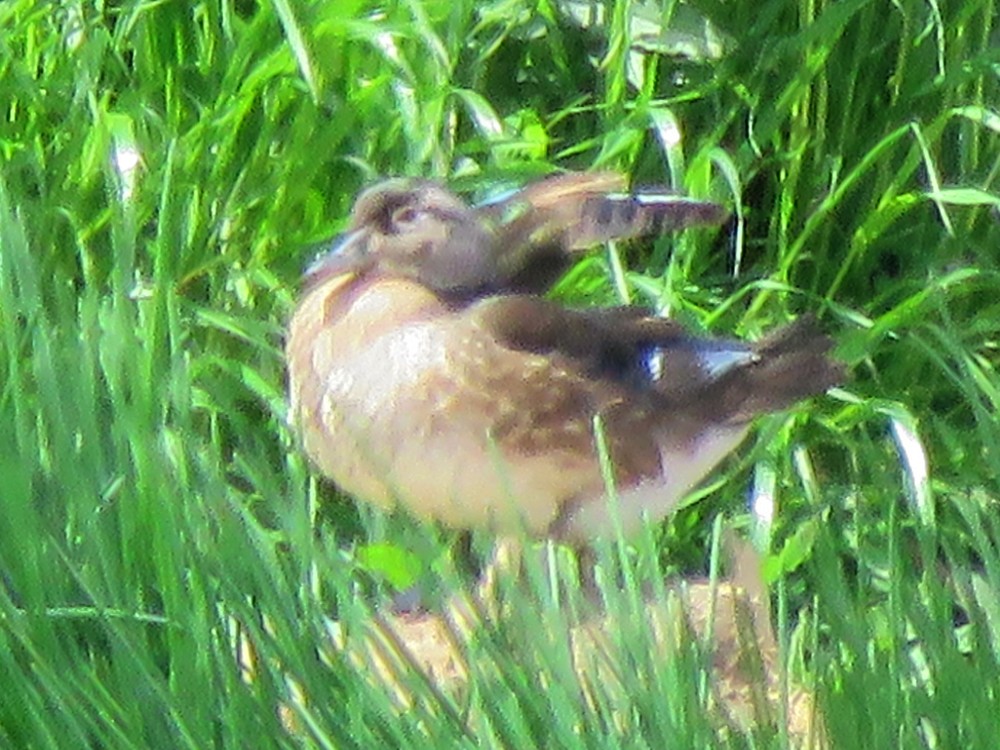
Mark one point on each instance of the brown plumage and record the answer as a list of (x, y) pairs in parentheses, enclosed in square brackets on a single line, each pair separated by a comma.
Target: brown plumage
[(424, 370)]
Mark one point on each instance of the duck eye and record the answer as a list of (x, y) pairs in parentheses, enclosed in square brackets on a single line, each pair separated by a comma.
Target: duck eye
[(405, 215)]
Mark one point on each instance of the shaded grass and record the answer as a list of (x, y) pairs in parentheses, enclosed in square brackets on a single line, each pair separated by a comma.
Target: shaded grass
[(154, 506)]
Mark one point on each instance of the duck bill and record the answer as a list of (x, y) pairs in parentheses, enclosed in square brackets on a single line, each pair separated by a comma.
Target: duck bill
[(347, 257)]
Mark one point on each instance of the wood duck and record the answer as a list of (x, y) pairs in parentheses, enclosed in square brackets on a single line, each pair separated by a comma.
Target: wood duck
[(426, 371)]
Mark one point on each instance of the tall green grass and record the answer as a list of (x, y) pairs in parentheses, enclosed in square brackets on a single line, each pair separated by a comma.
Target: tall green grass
[(155, 513)]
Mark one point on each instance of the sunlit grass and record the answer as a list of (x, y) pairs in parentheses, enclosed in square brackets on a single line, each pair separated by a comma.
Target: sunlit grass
[(155, 512)]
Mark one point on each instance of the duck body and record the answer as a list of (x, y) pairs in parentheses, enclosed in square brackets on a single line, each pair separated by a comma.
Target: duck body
[(426, 371)]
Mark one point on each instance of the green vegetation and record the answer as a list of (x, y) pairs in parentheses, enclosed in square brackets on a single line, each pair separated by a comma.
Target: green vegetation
[(153, 507)]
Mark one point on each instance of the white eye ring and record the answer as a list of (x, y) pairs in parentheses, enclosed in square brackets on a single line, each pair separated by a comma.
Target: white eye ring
[(406, 215)]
